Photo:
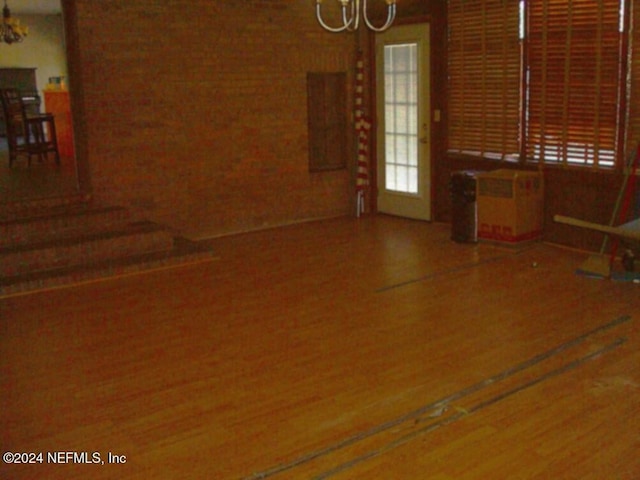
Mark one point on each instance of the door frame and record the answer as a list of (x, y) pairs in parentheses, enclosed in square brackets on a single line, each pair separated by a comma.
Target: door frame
[(373, 101)]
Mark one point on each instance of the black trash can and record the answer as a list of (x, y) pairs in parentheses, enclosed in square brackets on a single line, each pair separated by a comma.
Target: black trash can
[(464, 207)]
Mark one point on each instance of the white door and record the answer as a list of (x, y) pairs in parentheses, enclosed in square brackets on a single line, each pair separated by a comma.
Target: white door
[(403, 99)]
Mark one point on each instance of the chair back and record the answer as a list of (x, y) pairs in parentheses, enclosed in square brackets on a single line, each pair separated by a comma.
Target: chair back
[(13, 113), (27, 134)]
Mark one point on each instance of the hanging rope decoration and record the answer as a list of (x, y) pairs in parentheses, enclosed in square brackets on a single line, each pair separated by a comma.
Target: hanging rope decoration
[(363, 125)]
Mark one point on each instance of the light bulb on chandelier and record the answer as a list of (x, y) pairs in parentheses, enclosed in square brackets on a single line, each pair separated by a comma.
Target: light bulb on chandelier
[(351, 13), (10, 29)]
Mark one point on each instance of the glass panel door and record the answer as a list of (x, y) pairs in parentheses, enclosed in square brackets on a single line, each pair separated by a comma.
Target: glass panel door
[(401, 118), (402, 64)]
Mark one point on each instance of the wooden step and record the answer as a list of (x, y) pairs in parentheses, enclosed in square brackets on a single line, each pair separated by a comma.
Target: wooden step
[(85, 248), (52, 243), (30, 207), (59, 222), (183, 252)]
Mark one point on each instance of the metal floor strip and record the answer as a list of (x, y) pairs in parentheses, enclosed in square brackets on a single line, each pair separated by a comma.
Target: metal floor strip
[(461, 414), (509, 372)]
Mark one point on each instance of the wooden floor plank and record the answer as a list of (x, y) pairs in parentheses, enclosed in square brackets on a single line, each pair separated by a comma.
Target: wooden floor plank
[(300, 338)]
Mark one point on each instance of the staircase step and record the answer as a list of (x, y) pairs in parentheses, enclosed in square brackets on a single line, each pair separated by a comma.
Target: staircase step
[(57, 242), (184, 252), (59, 222), (133, 239), (29, 207)]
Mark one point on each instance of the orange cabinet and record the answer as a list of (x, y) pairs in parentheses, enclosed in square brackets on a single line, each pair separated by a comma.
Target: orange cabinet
[(57, 102)]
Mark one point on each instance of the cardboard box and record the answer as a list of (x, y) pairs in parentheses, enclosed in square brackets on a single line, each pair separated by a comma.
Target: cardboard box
[(510, 206)]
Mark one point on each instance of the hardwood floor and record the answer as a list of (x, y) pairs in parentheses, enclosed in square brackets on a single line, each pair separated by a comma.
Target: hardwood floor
[(39, 180), (343, 349)]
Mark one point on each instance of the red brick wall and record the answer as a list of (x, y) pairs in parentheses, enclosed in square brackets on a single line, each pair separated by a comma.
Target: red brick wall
[(195, 111), (194, 114)]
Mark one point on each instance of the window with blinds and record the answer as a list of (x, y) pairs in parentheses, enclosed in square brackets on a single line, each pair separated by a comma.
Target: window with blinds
[(633, 131), (542, 80), (574, 87), (484, 78)]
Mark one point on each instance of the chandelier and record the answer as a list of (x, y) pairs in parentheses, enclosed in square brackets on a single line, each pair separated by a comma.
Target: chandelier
[(10, 29), (351, 13)]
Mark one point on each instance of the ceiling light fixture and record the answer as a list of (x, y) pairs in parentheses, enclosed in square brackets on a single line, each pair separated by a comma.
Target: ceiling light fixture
[(351, 13), (10, 29)]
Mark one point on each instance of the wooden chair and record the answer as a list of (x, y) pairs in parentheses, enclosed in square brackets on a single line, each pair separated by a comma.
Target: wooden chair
[(28, 134)]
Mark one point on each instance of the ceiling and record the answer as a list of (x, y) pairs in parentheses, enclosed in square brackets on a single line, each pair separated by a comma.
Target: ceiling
[(34, 7)]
